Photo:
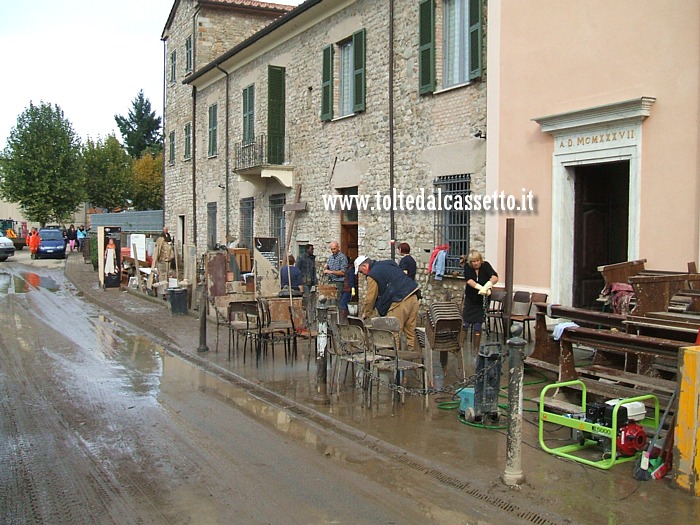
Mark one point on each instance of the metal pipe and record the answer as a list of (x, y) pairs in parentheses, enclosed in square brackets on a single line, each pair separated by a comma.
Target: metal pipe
[(321, 396), (508, 303), (513, 473), (228, 152), (392, 223)]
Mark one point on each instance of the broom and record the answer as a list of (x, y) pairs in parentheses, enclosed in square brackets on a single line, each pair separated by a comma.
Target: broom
[(641, 464)]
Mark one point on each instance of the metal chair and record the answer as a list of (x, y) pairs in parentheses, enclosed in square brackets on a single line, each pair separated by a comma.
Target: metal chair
[(384, 343), (237, 324), (520, 310), (494, 314), (351, 349), (443, 333)]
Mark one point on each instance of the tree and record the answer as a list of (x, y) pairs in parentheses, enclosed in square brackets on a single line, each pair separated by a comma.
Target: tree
[(108, 179), (148, 182), (41, 168), (141, 128)]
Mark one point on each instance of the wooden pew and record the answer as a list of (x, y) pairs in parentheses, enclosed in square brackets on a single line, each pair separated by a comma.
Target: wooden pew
[(623, 365)]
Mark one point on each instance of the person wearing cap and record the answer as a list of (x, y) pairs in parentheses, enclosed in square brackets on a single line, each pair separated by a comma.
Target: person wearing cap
[(391, 292)]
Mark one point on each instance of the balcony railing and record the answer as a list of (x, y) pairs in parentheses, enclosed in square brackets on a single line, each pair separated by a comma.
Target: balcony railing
[(266, 150)]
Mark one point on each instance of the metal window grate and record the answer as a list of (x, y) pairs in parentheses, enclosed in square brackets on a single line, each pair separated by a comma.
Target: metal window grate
[(246, 222), (452, 226)]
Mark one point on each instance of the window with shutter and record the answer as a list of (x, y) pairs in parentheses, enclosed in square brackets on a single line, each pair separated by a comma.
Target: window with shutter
[(188, 140), (461, 41), (275, 114), (426, 47), (173, 66), (358, 52), (327, 84), (171, 148), (249, 115), (188, 54), (213, 130)]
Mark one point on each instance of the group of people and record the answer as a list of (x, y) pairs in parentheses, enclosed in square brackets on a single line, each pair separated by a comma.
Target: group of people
[(391, 288), (73, 237)]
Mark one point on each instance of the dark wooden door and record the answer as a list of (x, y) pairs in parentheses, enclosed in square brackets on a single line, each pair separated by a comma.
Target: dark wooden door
[(601, 214)]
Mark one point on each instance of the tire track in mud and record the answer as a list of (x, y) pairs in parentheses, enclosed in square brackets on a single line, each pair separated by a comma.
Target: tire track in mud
[(52, 476)]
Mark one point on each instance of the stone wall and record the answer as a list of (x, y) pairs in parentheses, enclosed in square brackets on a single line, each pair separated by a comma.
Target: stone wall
[(433, 136)]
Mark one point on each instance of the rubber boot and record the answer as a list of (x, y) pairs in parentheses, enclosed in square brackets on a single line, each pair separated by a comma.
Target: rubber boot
[(476, 341)]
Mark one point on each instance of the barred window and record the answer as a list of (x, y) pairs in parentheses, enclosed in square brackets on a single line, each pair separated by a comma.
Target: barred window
[(452, 226), (277, 202), (246, 222)]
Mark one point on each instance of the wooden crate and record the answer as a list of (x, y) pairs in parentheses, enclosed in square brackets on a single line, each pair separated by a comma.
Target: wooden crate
[(243, 259)]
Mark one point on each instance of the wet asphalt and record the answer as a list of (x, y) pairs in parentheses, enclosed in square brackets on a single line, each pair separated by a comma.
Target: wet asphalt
[(425, 433)]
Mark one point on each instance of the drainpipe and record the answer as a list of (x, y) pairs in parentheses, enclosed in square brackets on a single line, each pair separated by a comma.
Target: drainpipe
[(162, 141), (392, 225), (228, 165), (194, 165)]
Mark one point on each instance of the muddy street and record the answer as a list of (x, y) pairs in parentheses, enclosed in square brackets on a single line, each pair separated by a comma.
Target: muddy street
[(98, 424)]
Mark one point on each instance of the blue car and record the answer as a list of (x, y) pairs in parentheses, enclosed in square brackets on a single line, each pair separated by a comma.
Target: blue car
[(52, 244)]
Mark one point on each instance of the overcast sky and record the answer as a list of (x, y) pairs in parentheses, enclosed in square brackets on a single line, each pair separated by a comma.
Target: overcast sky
[(90, 57)]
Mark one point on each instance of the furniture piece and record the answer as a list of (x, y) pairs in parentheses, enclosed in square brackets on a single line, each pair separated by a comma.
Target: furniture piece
[(527, 319), (443, 333), (520, 311), (237, 325), (384, 342), (494, 314), (351, 349), (276, 329)]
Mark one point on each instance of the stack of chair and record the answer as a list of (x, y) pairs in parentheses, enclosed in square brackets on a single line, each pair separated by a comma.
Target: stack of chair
[(442, 333)]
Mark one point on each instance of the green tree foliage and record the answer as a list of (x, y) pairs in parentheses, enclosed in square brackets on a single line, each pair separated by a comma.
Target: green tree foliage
[(141, 128), (108, 179), (148, 182), (41, 169)]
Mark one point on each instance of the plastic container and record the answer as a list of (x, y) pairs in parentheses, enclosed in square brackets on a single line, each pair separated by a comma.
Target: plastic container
[(178, 301)]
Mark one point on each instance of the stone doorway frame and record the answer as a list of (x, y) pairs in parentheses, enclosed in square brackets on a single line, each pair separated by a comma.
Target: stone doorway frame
[(595, 135)]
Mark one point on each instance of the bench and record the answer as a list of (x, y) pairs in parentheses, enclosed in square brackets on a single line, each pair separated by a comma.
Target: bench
[(623, 364)]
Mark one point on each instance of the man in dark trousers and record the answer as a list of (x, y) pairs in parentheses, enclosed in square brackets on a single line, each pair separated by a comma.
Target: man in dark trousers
[(391, 292), (307, 264)]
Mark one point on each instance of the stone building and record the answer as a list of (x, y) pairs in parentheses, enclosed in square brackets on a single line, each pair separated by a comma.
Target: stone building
[(343, 98)]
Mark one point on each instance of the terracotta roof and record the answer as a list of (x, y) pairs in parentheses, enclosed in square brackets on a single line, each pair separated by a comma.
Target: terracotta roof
[(251, 3), (281, 9)]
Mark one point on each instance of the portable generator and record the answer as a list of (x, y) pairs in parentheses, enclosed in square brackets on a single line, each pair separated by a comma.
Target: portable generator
[(481, 402), (630, 435)]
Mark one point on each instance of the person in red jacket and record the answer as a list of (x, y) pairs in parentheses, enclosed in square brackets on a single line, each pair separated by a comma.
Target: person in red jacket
[(33, 241)]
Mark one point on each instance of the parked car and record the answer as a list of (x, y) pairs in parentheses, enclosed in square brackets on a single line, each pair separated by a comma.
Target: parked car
[(52, 244), (7, 248)]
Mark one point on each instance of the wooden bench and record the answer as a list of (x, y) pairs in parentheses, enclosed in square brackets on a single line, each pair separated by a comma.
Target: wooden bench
[(623, 364)]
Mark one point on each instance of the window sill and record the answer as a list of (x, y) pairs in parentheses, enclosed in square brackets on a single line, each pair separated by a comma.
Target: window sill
[(213, 156), (336, 119), (452, 88)]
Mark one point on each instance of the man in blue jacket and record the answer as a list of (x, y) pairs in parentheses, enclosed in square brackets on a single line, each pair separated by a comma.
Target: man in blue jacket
[(391, 292)]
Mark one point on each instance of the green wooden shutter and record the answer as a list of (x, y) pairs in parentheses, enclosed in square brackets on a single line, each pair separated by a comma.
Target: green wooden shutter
[(358, 71), (327, 84), (249, 114), (426, 47), (475, 39), (275, 114)]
